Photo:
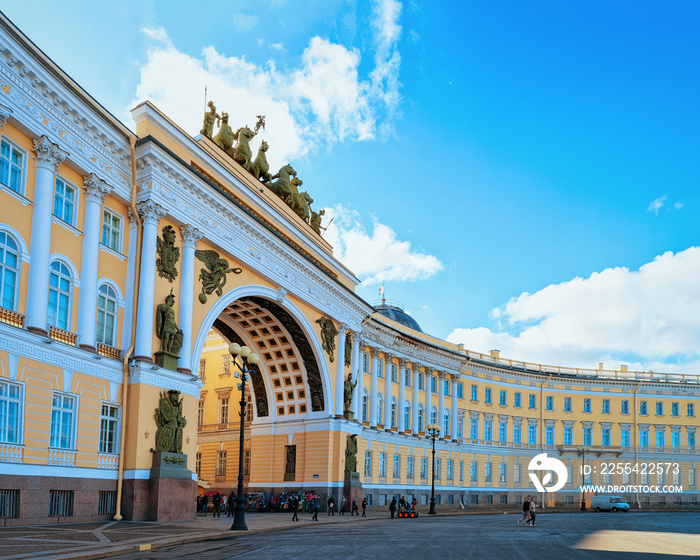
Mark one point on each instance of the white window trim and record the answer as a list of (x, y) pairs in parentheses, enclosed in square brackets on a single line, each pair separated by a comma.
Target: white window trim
[(20, 196), (21, 248), (20, 419), (74, 283), (112, 284), (120, 243), (74, 225), (74, 423), (119, 424)]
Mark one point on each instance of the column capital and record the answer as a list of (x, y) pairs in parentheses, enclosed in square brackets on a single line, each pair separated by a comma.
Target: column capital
[(342, 328), (403, 363), (442, 374), (415, 366), (150, 212), (388, 357), (190, 236), (454, 377), (96, 190), (374, 351), (47, 154), (5, 113)]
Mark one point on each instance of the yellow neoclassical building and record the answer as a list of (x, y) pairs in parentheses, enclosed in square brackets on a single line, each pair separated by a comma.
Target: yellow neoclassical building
[(130, 261)]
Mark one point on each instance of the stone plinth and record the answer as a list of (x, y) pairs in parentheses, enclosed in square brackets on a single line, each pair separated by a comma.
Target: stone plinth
[(352, 488), (167, 360), (171, 490)]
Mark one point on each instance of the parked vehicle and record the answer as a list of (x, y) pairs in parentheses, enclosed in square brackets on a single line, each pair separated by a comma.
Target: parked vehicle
[(609, 503)]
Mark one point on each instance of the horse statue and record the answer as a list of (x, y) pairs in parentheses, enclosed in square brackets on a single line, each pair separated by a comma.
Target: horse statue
[(259, 167), (303, 207), (292, 199), (224, 138), (283, 186), (242, 153)]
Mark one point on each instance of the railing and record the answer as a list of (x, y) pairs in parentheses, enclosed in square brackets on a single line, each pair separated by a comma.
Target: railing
[(62, 457), (11, 318), (60, 335), (108, 351), (10, 453), (107, 461), (589, 373)]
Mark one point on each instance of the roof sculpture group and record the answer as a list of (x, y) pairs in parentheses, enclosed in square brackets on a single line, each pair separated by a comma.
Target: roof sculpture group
[(285, 183)]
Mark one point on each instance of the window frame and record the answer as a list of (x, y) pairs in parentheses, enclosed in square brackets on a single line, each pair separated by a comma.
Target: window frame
[(6, 268), (120, 234), (100, 337), (19, 415), (113, 425), (76, 202), (71, 288), (53, 434), (25, 157)]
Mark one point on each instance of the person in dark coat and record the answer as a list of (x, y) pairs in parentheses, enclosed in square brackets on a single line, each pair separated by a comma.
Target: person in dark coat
[(343, 505), (231, 501), (355, 509), (364, 507), (216, 500), (392, 507), (316, 506), (205, 505), (294, 506), (331, 506)]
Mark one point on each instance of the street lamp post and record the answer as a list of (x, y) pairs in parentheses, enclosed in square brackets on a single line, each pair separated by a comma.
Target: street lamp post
[(582, 453), (246, 358), (433, 432)]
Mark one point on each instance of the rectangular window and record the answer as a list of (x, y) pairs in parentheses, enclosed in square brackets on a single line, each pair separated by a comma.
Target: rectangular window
[(674, 409), (517, 400), (503, 431), (396, 472), (64, 201), (517, 433), (365, 362), (368, 463), (533, 402), (407, 377), (246, 462), (107, 502), (198, 464), (474, 472), (568, 435), (223, 410), (9, 504), (474, 428), (487, 395), (62, 427), (10, 406), (409, 466), (503, 472), (449, 469), (550, 403), (433, 384), (12, 167), (660, 439), (203, 368), (503, 398), (460, 427), (200, 413), (475, 393), (221, 463), (532, 434), (643, 408), (659, 408), (516, 474), (644, 437), (587, 436), (225, 364), (461, 471), (394, 373), (382, 465), (605, 436), (586, 405), (60, 503), (112, 230), (675, 439), (691, 441), (474, 499), (488, 474), (109, 429), (567, 404), (488, 430), (446, 387), (606, 406), (625, 437), (549, 435), (692, 477), (691, 410), (424, 467), (625, 407), (460, 391), (380, 368)]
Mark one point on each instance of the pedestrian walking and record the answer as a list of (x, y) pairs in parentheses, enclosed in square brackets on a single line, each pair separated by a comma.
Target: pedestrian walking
[(392, 506), (331, 506), (355, 509), (533, 515), (364, 507), (343, 505), (229, 504), (294, 506), (316, 506), (205, 505), (526, 511), (216, 500)]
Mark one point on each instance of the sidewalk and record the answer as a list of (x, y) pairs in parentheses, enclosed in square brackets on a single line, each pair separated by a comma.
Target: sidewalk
[(85, 541)]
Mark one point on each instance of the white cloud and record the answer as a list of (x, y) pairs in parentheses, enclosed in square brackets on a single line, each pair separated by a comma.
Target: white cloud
[(677, 205), (378, 256), (650, 317), (279, 47), (655, 205), (321, 100), (244, 22)]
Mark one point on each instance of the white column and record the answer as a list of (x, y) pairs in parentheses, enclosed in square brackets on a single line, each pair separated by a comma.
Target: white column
[(190, 236), (441, 404), (358, 376), (340, 373), (373, 389), (150, 213), (455, 379), (130, 273), (388, 360), (403, 364), (48, 157), (416, 373), (428, 375), (96, 190)]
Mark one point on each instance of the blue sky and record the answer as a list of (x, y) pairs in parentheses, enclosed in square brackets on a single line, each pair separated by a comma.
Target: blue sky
[(521, 175)]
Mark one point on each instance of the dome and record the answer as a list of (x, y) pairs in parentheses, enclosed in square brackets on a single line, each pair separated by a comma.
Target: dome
[(394, 310)]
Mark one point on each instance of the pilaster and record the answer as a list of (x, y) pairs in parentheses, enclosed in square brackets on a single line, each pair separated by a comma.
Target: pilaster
[(190, 237)]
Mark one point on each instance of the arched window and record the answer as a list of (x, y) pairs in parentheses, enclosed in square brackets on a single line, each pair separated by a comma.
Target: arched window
[(380, 408), (406, 416), (60, 289), (433, 415), (421, 417), (106, 315), (365, 407), (9, 272), (393, 412), (446, 424)]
